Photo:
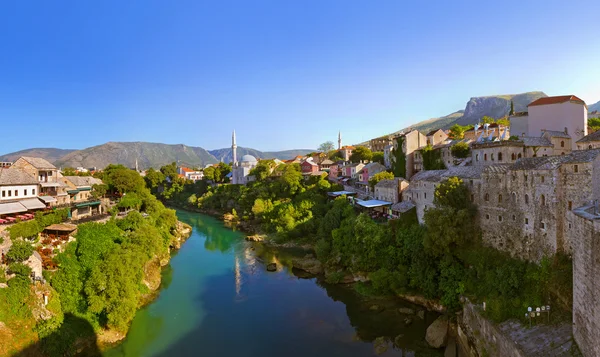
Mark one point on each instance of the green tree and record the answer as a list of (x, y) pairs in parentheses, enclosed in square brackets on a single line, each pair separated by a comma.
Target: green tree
[(361, 153), (154, 178), (487, 120), (384, 175), (512, 108), (263, 169), (594, 123), (29, 229), (458, 131), (326, 147), (170, 170), (209, 173), (99, 190), (503, 121), (432, 159), (69, 171), (378, 157), (335, 155), (399, 158), (20, 269), (460, 150), (130, 201), (19, 251), (125, 180)]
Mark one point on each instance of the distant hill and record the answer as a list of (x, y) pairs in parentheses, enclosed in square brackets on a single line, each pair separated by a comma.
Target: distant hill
[(226, 154), (594, 107), (147, 154), (495, 106), (50, 154)]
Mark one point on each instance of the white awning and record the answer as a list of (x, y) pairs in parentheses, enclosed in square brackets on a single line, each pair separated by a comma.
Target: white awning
[(373, 203), (49, 184), (47, 199), (32, 203), (12, 207)]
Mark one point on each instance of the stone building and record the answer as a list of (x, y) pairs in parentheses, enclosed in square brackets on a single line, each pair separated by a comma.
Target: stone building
[(379, 144), (51, 190), (413, 141), (560, 140), (83, 204), (390, 190), (590, 141), (436, 137)]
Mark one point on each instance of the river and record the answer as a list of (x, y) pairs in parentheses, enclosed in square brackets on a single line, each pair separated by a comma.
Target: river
[(217, 299)]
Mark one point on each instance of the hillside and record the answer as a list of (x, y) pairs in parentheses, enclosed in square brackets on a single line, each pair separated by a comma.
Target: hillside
[(147, 154), (594, 107), (226, 155), (50, 154)]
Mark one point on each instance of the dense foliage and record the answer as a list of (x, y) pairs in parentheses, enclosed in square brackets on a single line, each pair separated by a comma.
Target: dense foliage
[(398, 158), (361, 153), (432, 158), (30, 229), (384, 175), (460, 150)]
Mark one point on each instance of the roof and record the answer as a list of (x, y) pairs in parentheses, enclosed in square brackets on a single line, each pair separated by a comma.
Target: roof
[(38, 162), (403, 206), (248, 158), (520, 114), (374, 165), (387, 183), (429, 175), (557, 134), (535, 141), (373, 203), (595, 136), (83, 180), (12, 207), (32, 203), (497, 168), (327, 162), (64, 227), (557, 100), (47, 199), (340, 193), (465, 172), (185, 169), (433, 132), (347, 147), (16, 176), (552, 162), (312, 163)]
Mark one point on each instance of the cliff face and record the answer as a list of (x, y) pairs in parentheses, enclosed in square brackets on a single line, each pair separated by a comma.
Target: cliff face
[(496, 106)]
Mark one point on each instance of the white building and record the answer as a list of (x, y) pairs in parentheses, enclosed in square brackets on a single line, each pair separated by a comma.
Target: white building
[(240, 171)]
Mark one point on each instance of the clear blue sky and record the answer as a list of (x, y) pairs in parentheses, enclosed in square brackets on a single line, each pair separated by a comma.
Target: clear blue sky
[(284, 74)]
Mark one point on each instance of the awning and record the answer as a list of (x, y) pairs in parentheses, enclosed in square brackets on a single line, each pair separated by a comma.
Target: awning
[(47, 199), (373, 203), (49, 184), (61, 227), (345, 180), (340, 193), (32, 203), (12, 207), (85, 204)]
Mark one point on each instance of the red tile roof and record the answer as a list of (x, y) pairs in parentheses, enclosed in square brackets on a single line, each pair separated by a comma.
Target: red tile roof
[(185, 169), (557, 100)]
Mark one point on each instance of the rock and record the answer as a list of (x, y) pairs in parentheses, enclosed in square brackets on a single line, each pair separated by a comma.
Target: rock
[(255, 238), (380, 345), (309, 264), (3, 286), (437, 332), (398, 339), (272, 267), (421, 314), (450, 349), (406, 311), (408, 321), (374, 308)]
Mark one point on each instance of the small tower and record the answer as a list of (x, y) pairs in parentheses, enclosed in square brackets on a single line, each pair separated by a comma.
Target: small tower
[(234, 149), (136, 166), (339, 140)]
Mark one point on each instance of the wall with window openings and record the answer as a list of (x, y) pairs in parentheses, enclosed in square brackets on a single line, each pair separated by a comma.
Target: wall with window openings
[(18, 192)]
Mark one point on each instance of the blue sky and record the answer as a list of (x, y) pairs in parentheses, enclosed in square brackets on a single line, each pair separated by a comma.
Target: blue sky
[(283, 74)]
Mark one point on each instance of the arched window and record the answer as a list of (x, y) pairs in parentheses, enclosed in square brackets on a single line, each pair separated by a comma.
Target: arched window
[(575, 168), (487, 197), (499, 156), (476, 157), (484, 157), (562, 153), (513, 157), (499, 198), (526, 199), (589, 147), (519, 156), (543, 199), (514, 197), (562, 144), (492, 157)]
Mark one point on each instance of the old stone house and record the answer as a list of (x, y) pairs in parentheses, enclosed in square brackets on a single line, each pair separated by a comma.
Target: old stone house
[(80, 192), (390, 190), (51, 190), (591, 141), (436, 137)]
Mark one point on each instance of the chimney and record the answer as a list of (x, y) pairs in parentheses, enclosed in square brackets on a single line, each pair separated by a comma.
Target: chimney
[(566, 131)]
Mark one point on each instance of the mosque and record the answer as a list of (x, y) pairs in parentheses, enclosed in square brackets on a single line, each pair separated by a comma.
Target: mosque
[(240, 171)]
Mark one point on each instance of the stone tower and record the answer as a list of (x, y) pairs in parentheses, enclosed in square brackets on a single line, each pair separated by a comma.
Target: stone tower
[(339, 140), (234, 150)]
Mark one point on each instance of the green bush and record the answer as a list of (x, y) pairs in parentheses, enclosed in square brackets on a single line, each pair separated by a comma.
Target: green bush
[(323, 249), (19, 269), (19, 251)]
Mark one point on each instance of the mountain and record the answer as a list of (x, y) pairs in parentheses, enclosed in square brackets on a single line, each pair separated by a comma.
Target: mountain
[(495, 106), (50, 154), (226, 154), (594, 107), (147, 154)]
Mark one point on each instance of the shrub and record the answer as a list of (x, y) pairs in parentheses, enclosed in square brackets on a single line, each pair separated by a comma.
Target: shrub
[(19, 269), (19, 251)]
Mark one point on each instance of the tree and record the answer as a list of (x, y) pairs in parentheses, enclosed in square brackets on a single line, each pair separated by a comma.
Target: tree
[(512, 108), (335, 155), (361, 153), (594, 124), (263, 169), (170, 170), (503, 121), (460, 150), (99, 190), (209, 173), (154, 178), (432, 160), (487, 120), (326, 147), (69, 171), (20, 269), (19, 251), (384, 175), (458, 131), (378, 157), (126, 180)]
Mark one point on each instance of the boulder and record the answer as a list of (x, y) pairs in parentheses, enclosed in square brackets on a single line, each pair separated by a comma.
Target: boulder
[(255, 238), (437, 332), (309, 264), (406, 311), (421, 314), (450, 349), (272, 267), (398, 340), (408, 321), (380, 345)]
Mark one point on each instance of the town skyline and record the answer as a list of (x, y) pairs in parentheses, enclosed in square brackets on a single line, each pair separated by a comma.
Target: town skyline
[(310, 69)]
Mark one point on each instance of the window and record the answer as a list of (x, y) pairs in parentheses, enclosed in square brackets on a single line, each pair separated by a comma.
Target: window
[(476, 157), (570, 205), (562, 144), (471, 182), (16, 193), (543, 199), (542, 179), (526, 220), (575, 168), (514, 217), (487, 216), (25, 192), (417, 195), (519, 156), (514, 197), (492, 156), (513, 157), (3, 193), (425, 195), (472, 198), (526, 199), (499, 218), (49, 173), (542, 225), (9, 193), (499, 198), (499, 156), (570, 226), (589, 147), (487, 197), (33, 191), (484, 157), (562, 153)]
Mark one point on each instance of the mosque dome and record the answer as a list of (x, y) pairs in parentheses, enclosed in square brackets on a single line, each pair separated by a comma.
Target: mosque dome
[(249, 158)]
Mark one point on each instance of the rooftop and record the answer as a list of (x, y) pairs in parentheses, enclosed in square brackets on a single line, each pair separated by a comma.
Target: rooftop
[(552, 162), (557, 134), (83, 180), (595, 136), (38, 162), (557, 100), (15, 176)]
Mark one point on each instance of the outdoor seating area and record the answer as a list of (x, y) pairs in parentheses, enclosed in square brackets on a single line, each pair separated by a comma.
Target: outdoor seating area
[(15, 218)]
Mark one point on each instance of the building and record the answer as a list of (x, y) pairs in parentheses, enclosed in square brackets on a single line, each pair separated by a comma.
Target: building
[(83, 203), (412, 141), (436, 137), (190, 174), (346, 152), (566, 113), (387, 155), (51, 190), (240, 171), (390, 190), (370, 170), (325, 165), (5, 164), (590, 141), (379, 144), (16, 184), (350, 170), (309, 166)]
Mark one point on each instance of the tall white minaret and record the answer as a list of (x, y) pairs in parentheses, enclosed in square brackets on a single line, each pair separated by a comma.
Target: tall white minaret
[(339, 140), (136, 166), (234, 149)]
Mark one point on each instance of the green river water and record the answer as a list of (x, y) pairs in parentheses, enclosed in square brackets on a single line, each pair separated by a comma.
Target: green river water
[(217, 299)]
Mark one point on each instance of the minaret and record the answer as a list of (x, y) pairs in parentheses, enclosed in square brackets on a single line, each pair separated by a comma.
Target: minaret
[(136, 166), (339, 140), (234, 149)]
